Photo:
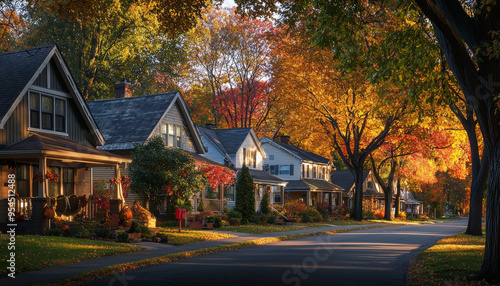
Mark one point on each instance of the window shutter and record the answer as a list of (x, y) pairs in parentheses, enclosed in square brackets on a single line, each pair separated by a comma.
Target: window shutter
[(272, 169), (245, 156), (291, 169), (254, 159)]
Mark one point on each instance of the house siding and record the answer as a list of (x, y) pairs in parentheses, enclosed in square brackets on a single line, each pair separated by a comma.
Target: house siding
[(16, 127), (248, 143), (174, 117), (212, 153), (282, 158)]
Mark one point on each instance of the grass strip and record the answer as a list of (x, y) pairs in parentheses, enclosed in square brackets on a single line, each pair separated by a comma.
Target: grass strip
[(451, 261), (89, 276)]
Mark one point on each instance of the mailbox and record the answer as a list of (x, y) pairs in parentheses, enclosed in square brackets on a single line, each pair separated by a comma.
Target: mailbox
[(180, 214)]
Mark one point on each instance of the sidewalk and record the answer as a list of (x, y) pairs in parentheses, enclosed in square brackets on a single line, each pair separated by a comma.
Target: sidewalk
[(57, 273)]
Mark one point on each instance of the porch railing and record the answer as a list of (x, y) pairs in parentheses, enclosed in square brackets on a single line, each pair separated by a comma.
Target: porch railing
[(212, 205), (23, 207)]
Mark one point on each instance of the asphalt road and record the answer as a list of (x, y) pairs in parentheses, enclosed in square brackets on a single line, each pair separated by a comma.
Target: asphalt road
[(366, 257)]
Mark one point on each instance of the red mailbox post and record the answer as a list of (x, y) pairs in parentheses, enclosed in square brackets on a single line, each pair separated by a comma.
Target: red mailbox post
[(180, 214)]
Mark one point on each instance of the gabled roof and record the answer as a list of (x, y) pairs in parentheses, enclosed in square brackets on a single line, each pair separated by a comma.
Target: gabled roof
[(312, 184), (230, 140), (131, 120), (296, 151), (18, 71), (344, 178)]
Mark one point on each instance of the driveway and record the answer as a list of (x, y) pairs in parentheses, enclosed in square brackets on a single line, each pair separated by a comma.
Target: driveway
[(365, 257)]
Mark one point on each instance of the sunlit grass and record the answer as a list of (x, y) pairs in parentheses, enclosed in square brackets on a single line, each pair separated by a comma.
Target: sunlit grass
[(35, 252), (450, 261), (188, 236)]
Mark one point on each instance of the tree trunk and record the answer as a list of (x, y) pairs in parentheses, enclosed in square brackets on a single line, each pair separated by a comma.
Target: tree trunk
[(479, 181), (388, 205), (398, 198), (358, 195), (490, 270)]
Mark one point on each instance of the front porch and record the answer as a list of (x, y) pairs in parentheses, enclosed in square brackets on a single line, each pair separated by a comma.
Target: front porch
[(51, 169)]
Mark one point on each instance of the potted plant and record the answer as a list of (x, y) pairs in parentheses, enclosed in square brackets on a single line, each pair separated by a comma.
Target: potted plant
[(209, 224)]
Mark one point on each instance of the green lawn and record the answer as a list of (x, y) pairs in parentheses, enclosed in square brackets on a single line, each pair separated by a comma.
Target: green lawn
[(35, 252), (188, 236), (449, 262)]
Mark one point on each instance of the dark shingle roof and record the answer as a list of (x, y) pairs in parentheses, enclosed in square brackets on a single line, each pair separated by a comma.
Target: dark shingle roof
[(304, 155), (264, 176), (131, 119), (16, 70), (228, 140), (308, 184), (344, 178), (39, 142)]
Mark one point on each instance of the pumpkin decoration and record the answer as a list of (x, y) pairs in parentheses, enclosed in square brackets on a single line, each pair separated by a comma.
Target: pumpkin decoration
[(49, 212), (126, 216)]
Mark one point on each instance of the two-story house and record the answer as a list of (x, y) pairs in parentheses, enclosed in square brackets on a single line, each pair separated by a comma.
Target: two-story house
[(237, 147), (308, 174), (48, 137), (128, 120)]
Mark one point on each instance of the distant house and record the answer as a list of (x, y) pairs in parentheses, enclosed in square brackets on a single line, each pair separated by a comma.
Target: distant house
[(308, 174), (235, 148), (126, 121), (373, 196), (46, 131)]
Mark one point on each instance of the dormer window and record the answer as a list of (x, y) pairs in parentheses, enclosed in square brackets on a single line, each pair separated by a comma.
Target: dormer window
[(47, 112)]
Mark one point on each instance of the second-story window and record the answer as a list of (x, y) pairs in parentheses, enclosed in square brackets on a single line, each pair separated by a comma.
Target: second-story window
[(320, 175), (314, 172), (172, 134), (47, 112)]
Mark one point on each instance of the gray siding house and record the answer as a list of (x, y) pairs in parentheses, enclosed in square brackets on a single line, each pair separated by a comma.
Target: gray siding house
[(308, 174), (237, 147)]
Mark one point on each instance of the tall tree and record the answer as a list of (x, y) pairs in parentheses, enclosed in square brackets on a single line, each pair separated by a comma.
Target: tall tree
[(467, 32), (345, 109), (230, 56), (124, 42)]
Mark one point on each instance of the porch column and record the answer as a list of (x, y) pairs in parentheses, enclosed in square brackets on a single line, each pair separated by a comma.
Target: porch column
[(308, 198), (119, 193), (339, 200), (282, 192), (43, 192), (330, 201)]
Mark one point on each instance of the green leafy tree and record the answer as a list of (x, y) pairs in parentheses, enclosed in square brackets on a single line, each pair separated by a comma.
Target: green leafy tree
[(157, 170), (264, 204), (245, 196), (125, 42)]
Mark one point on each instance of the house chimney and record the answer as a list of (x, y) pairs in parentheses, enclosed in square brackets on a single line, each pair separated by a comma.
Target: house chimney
[(284, 139), (123, 89)]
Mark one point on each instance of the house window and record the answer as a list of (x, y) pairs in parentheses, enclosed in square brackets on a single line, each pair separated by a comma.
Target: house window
[(277, 198), (308, 171), (172, 134), (274, 169), (250, 157), (68, 181), (55, 187), (284, 169), (23, 180), (265, 168), (314, 172), (47, 112), (229, 193), (370, 185), (320, 170), (303, 171), (271, 157)]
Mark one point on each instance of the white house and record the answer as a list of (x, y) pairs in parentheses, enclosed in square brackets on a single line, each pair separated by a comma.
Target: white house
[(308, 174), (237, 147)]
